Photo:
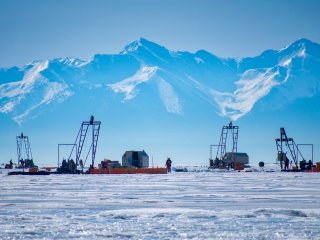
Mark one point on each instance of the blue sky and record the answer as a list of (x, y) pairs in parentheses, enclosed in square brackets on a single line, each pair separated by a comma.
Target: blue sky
[(38, 29)]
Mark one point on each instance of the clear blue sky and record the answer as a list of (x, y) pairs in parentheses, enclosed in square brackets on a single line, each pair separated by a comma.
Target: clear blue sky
[(38, 29)]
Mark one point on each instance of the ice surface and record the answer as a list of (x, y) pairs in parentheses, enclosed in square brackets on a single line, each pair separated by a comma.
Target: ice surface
[(200, 205)]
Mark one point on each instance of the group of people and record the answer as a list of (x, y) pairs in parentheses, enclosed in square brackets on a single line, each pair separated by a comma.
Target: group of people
[(304, 165), (68, 166), (27, 163)]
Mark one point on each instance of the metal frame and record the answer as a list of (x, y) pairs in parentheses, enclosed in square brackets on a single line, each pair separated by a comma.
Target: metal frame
[(222, 147), (81, 137), (212, 145), (290, 144), (23, 141), (306, 144), (64, 144)]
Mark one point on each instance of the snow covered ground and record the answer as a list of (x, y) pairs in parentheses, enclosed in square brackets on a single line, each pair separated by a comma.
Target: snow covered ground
[(193, 205)]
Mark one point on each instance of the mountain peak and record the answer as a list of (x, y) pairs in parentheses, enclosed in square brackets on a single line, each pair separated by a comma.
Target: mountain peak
[(132, 46), (303, 41), (143, 43), (300, 48), (302, 44)]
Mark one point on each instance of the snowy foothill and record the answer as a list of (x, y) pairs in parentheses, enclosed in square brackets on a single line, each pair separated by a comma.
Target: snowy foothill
[(186, 205)]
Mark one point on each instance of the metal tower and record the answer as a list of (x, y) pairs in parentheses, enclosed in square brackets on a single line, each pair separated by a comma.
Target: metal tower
[(81, 137), (284, 143), (23, 148), (222, 147)]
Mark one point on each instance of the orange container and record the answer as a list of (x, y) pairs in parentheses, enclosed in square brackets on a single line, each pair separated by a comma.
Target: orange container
[(238, 166), (128, 171), (314, 169), (94, 171), (35, 169)]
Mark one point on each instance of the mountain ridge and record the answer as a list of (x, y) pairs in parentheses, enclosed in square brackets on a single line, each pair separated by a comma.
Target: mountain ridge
[(231, 86)]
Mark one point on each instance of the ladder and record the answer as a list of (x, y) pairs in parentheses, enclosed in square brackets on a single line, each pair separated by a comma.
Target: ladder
[(95, 137), (222, 147), (222, 142), (81, 137)]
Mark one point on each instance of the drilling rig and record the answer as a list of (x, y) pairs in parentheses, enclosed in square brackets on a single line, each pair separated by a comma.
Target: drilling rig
[(71, 166), (287, 147), (25, 159), (223, 158)]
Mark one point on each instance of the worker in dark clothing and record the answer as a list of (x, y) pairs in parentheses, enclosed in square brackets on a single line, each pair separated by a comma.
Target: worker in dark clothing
[(303, 164), (286, 164), (168, 164), (72, 166), (64, 164), (22, 164), (309, 165), (81, 165), (10, 164)]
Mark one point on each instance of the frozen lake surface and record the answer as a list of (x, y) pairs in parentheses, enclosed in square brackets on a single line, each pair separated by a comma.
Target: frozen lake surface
[(199, 205)]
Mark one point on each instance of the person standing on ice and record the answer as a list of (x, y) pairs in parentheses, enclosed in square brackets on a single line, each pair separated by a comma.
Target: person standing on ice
[(168, 164), (81, 165), (286, 164)]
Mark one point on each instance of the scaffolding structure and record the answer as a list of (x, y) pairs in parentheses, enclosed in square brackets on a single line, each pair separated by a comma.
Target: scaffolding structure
[(23, 148), (287, 145), (226, 132), (81, 137), (222, 147)]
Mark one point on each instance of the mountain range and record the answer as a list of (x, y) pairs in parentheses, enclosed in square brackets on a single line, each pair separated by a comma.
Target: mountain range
[(171, 102)]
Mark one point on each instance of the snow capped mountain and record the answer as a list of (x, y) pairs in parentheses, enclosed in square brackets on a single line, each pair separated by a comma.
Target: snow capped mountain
[(179, 80), (34, 90), (283, 76)]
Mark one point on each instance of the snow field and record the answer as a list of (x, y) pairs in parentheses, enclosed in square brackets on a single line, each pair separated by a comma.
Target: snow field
[(199, 205)]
